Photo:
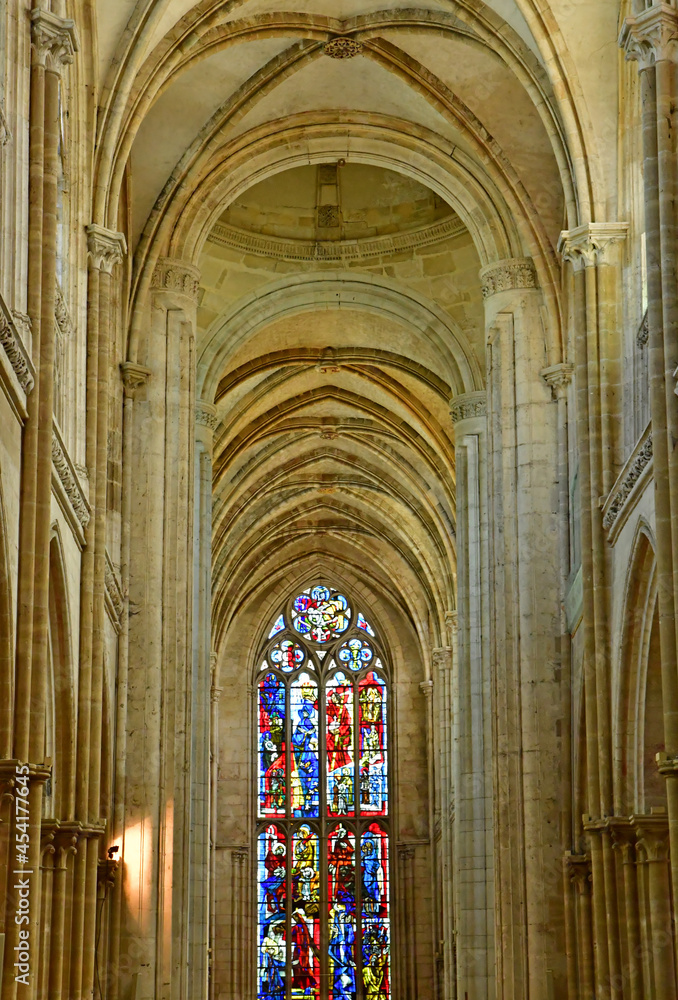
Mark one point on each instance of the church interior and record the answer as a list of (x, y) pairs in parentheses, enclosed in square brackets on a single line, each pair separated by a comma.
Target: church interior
[(338, 497)]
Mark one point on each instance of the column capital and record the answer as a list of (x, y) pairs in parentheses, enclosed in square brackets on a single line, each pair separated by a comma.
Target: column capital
[(650, 37), (558, 377), (586, 246), (623, 836), (105, 248), (426, 688), (174, 275), (54, 39), (578, 867), (133, 377), (667, 764), (206, 415), (469, 404), (452, 626), (652, 835), (507, 275)]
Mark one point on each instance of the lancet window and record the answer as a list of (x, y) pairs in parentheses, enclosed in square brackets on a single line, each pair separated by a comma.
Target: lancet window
[(323, 831)]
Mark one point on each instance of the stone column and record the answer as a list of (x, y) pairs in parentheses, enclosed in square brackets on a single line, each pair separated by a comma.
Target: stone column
[(624, 841), (215, 695), (442, 659), (651, 39), (653, 847), (525, 653), (158, 842), (579, 867), (473, 834)]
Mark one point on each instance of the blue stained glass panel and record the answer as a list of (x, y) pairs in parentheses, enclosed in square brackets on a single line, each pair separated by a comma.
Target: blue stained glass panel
[(365, 626), (272, 882), (356, 653), (305, 742), (287, 656), (320, 615), (272, 750), (341, 897), (278, 627), (375, 921)]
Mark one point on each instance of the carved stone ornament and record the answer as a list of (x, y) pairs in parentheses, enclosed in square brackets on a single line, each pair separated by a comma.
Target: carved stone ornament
[(206, 415), (5, 133), (133, 377), (172, 275), (507, 275), (558, 377), (105, 247), (62, 316), (69, 482), (471, 404), (16, 353), (635, 471), (342, 48), (650, 37), (55, 39), (114, 598), (334, 250), (643, 334), (586, 245)]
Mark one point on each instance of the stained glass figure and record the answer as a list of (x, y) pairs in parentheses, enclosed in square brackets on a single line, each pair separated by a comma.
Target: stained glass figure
[(340, 741), (365, 626), (305, 922), (287, 655), (356, 653), (305, 768), (375, 923), (321, 615), (272, 865), (272, 750), (278, 627), (341, 897), (323, 891), (373, 745)]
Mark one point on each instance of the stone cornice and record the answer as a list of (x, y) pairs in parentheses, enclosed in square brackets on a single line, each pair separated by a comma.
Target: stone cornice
[(628, 486), (471, 404), (172, 275), (507, 275), (54, 39), (105, 248), (342, 47), (333, 250), (587, 245), (16, 350), (650, 37), (67, 479)]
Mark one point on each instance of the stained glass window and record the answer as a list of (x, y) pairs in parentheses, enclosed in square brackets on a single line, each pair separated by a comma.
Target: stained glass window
[(323, 876)]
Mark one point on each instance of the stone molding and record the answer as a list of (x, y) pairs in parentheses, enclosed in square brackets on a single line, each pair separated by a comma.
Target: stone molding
[(441, 658), (68, 479), (133, 377), (468, 405), (643, 334), (650, 37), (558, 377), (631, 475), (206, 415), (586, 246), (15, 350), (172, 275), (333, 250), (580, 872), (5, 132), (342, 47), (507, 275), (115, 602), (105, 248), (54, 39), (653, 835), (426, 688)]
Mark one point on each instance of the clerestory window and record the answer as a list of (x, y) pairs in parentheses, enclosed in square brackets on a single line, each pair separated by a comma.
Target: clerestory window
[(323, 844)]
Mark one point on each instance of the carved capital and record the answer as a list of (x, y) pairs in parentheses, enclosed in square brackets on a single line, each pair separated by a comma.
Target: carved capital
[(623, 837), (667, 764), (507, 275), (172, 275), (133, 377), (342, 47), (105, 248), (578, 867), (558, 377), (441, 658), (470, 404), (587, 245), (650, 37), (653, 836), (206, 415), (54, 39), (426, 688), (452, 626)]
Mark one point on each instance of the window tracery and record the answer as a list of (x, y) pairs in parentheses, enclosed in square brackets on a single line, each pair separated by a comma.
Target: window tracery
[(323, 845)]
